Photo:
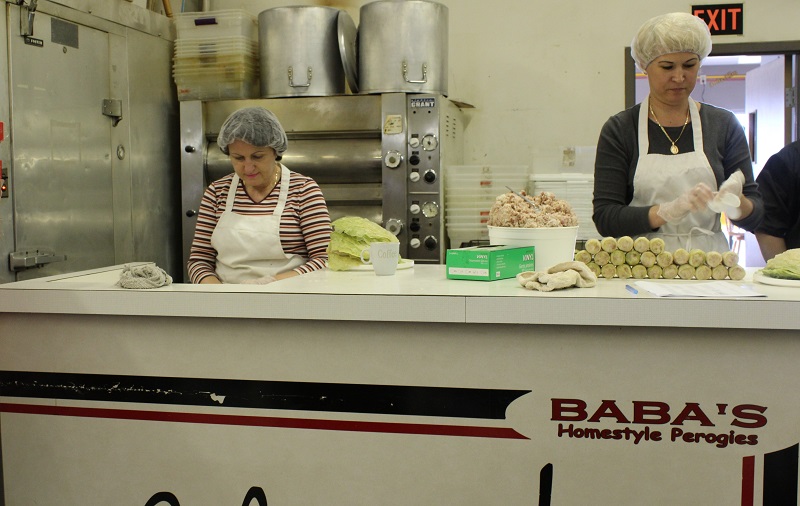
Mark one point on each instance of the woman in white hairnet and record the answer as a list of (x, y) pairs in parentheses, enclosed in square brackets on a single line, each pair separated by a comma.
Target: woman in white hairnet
[(263, 222), (668, 166)]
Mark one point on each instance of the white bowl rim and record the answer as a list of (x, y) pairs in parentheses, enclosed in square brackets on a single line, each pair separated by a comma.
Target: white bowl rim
[(533, 228)]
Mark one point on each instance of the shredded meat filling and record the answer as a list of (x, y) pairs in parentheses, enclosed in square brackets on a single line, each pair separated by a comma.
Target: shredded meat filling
[(510, 210)]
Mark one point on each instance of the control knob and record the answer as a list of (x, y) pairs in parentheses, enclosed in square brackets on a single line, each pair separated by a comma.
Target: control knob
[(414, 209), (393, 159), (429, 142), (394, 226), (431, 242), (414, 243)]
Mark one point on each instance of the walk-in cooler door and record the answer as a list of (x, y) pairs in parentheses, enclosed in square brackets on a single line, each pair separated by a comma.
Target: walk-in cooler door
[(61, 143)]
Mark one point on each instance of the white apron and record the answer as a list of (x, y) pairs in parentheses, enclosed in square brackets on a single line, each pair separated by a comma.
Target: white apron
[(249, 247), (663, 178)]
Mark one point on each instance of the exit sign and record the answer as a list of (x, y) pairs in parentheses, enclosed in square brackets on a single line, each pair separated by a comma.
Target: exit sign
[(722, 19)]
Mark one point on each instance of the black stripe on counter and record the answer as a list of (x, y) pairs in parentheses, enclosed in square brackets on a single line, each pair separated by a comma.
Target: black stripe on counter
[(780, 476), (281, 395)]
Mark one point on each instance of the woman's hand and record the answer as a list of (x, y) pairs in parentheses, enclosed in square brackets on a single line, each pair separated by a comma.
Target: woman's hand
[(692, 201), (729, 199)]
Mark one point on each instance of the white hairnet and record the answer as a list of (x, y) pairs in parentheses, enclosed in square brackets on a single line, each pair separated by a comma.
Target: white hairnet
[(677, 32), (256, 126)]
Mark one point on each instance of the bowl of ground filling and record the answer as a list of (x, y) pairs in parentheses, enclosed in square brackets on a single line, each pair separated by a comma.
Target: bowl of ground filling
[(542, 221)]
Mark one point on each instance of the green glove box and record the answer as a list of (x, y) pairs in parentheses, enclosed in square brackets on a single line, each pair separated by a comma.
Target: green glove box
[(489, 263)]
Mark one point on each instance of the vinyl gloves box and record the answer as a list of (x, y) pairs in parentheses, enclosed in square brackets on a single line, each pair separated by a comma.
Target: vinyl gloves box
[(489, 263)]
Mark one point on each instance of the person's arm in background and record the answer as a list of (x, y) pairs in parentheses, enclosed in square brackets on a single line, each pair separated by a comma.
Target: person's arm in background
[(770, 245), (778, 185)]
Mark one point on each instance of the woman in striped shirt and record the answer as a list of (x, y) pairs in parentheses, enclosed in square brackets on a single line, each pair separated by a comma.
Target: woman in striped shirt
[(273, 225)]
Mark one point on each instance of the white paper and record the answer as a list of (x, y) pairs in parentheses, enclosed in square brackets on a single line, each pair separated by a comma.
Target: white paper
[(714, 289)]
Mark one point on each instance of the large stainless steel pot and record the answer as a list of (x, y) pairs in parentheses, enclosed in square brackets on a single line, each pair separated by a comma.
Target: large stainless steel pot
[(299, 52), (402, 47)]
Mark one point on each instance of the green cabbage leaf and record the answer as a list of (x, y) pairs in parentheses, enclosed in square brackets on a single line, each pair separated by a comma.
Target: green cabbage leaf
[(785, 265), (352, 234)]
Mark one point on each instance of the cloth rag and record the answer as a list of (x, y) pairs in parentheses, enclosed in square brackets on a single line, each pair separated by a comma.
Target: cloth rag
[(563, 275), (143, 276)]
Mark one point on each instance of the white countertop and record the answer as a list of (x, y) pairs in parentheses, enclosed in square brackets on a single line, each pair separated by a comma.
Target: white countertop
[(419, 294)]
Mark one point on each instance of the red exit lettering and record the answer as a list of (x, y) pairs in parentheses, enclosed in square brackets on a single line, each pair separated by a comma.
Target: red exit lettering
[(722, 19)]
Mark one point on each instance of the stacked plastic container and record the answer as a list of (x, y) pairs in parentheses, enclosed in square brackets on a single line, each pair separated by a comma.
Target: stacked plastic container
[(575, 188), (470, 192), (573, 183), (216, 55)]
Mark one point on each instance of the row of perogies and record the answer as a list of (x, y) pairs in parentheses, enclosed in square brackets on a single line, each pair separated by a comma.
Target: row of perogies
[(644, 258)]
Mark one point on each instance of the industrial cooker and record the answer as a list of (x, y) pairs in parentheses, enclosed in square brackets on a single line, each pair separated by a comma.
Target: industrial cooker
[(377, 156)]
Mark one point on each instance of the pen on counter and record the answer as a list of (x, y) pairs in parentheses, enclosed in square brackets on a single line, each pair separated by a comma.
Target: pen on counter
[(632, 289)]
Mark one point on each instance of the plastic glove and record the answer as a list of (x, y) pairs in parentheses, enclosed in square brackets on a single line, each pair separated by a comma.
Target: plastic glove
[(729, 197), (259, 281), (692, 201), (734, 184)]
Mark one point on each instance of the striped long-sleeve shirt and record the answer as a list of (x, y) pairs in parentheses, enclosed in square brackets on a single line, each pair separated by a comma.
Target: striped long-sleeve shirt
[(305, 223)]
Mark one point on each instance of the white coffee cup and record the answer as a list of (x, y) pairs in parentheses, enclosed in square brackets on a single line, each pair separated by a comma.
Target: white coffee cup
[(383, 256)]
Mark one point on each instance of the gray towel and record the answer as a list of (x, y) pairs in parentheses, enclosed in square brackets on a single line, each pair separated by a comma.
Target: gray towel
[(143, 276)]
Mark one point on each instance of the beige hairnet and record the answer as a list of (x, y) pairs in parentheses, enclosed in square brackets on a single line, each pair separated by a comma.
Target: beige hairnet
[(677, 32), (256, 126)]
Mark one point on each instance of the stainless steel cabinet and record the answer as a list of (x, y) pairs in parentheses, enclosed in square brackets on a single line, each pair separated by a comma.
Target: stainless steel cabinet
[(91, 136)]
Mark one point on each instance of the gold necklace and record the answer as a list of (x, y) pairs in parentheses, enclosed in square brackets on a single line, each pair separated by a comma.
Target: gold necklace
[(674, 149), (276, 177)]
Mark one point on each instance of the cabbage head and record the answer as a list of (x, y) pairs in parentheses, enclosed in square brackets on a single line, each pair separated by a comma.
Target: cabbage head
[(785, 265), (350, 235)]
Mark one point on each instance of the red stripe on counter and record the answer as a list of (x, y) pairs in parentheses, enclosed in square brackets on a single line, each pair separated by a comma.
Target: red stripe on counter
[(748, 480), (266, 421)]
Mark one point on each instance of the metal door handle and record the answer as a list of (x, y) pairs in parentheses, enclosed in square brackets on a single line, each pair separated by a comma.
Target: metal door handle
[(21, 260), (291, 80), (113, 109), (424, 74)]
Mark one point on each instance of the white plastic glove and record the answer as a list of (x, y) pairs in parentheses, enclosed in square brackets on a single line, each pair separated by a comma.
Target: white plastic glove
[(729, 197), (692, 201), (259, 281)]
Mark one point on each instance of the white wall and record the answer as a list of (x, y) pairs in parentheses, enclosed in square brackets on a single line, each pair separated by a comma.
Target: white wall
[(547, 74)]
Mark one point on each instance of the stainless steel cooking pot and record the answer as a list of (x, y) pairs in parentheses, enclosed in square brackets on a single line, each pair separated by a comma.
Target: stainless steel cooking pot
[(299, 52), (402, 47)]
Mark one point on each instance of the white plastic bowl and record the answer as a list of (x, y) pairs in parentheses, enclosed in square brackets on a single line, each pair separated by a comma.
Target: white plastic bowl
[(553, 245)]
